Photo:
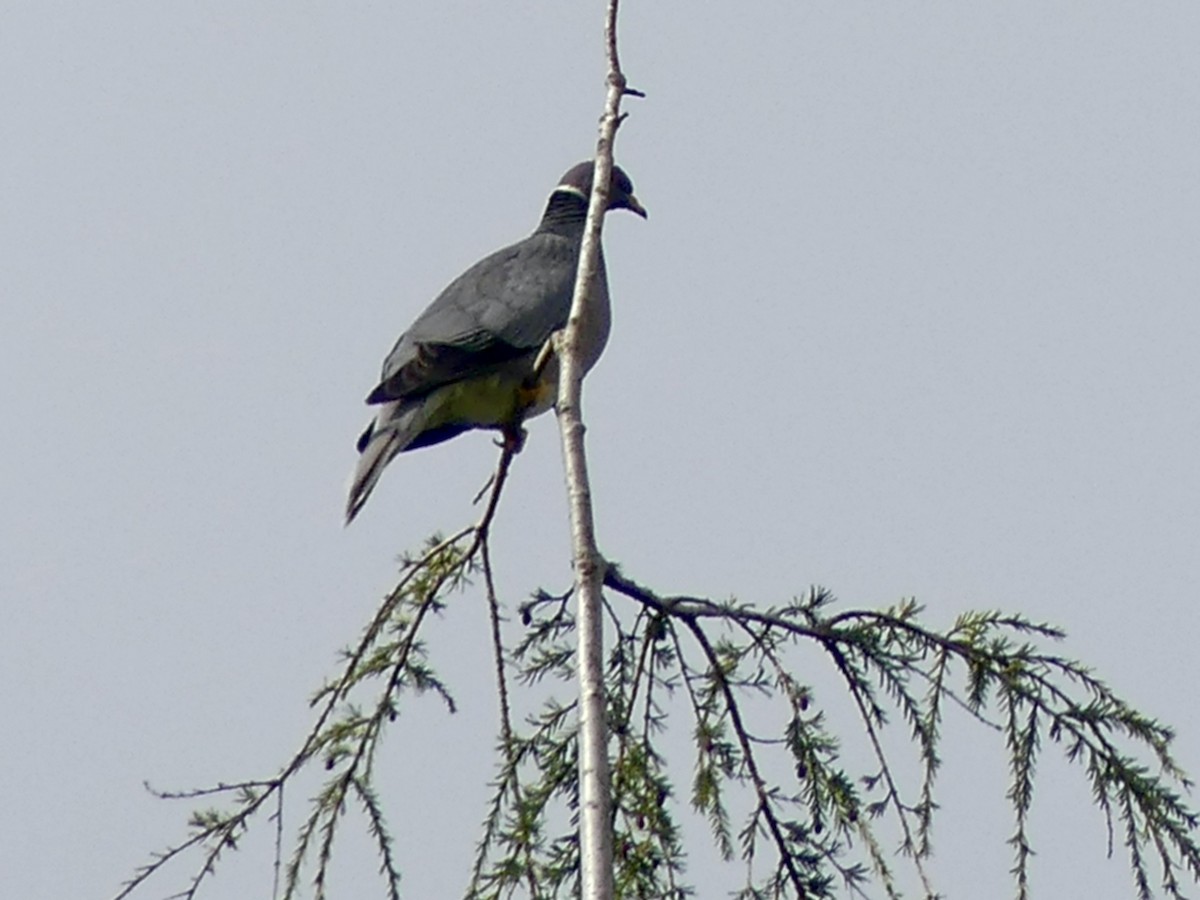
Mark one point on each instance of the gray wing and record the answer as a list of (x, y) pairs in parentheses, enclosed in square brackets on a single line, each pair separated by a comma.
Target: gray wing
[(503, 307)]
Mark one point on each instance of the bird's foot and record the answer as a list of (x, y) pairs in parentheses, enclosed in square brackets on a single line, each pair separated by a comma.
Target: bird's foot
[(512, 438)]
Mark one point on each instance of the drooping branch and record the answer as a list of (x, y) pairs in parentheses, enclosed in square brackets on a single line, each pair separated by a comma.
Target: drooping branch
[(345, 741), (1041, 696)]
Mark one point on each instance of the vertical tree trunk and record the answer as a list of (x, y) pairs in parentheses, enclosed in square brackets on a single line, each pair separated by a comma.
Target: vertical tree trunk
[(595, 813)]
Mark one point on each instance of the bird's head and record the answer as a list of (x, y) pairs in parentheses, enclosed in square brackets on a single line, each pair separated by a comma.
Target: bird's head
[(578, 182)]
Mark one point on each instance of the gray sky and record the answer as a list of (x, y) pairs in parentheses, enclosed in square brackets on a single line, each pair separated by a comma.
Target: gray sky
[(915, 313)]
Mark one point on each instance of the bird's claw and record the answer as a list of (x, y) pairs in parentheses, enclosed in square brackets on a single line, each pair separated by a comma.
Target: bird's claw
[(512, 438)]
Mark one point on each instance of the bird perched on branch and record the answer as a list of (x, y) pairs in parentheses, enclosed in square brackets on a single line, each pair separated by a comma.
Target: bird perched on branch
[(468, 360)]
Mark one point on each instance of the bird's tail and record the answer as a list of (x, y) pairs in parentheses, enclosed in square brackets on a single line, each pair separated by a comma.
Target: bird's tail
[(394, 428)]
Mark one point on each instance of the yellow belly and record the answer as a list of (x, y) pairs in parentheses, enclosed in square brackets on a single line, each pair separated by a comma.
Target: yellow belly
[(491, 401)]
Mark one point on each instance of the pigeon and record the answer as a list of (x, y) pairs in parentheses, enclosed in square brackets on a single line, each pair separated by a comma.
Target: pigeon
[(468, 360)]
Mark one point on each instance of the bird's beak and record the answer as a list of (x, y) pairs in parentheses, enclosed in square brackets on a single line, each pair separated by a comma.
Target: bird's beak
[(632, 204)]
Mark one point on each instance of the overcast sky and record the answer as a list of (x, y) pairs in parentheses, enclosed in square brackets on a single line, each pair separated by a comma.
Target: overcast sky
[(914, 314)]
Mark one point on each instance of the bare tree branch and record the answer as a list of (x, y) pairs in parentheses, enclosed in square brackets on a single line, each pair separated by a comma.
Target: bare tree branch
[(595, 826)]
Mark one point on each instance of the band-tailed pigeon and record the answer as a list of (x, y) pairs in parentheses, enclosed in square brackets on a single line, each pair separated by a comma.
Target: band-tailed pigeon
[(466, 361)]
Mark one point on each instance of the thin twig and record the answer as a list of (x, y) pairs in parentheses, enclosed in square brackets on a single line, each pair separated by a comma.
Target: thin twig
[(760, 785), (893, 792)]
